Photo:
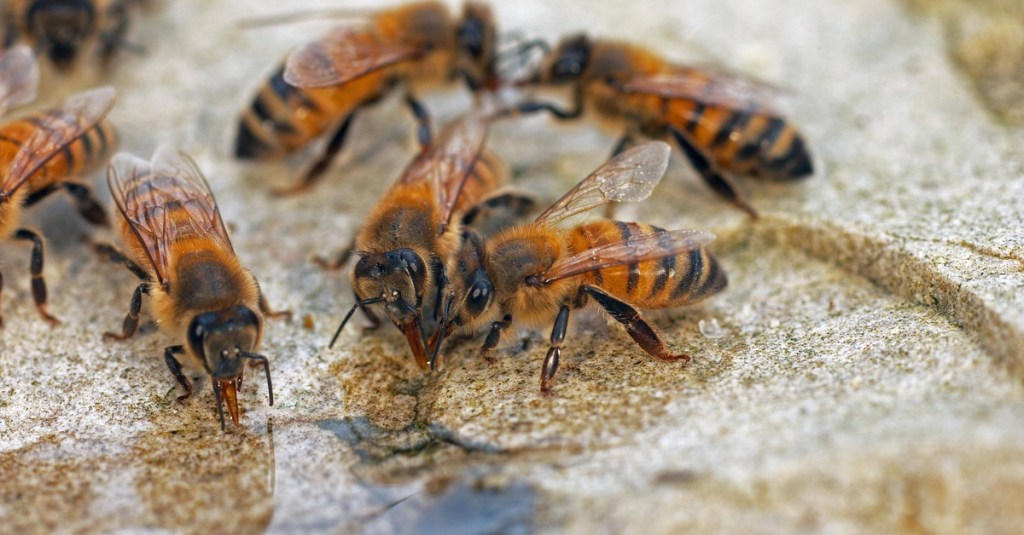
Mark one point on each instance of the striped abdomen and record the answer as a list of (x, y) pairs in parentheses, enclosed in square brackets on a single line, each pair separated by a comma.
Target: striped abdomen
[(746, 142), (283, 118), (76, 158), (672, 281)]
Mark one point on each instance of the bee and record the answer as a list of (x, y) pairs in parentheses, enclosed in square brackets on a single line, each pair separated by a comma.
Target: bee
[(413, 229), (42, 152), (537, 273), (326, 82), (722, 122), (60, 29), (179, 249)]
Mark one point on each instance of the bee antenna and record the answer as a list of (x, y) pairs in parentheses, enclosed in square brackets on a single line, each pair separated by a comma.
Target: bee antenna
[(357, 304), (220, 404), (266, 369)]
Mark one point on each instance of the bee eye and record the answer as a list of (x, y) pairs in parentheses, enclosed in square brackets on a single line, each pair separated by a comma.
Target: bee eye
[(479, 294)]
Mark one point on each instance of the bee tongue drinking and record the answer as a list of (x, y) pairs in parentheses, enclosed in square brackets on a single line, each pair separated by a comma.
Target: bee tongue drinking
[(227, 394)]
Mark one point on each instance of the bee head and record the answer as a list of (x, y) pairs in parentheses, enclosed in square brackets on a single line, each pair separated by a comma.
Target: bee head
[(468, 295), (221, 337), (222, 340), (60, 26), (475, 39), (568, 61), (397, 277)]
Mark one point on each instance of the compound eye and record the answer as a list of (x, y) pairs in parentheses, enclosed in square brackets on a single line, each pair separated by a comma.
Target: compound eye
[(480, 294)]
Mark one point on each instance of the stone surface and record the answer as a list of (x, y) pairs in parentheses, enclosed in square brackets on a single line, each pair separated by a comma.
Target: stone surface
[(862, 372)]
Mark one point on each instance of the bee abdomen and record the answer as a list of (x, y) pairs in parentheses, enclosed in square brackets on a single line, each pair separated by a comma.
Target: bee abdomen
[(674, 280), (747, 141), (270, 117)]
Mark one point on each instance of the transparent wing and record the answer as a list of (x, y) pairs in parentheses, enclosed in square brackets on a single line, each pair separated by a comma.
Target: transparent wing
[(628, 177), (449, 160), (707, 86), (164, 201), (19, 77), (56, 129), (340, 56), (637, 248)]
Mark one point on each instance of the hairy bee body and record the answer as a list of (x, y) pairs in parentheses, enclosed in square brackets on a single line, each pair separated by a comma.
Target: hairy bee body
[(207, 276), (179, 248), (284, 118)]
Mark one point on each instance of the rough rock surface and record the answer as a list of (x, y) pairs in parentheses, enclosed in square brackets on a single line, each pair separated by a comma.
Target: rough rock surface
[(862, 372)]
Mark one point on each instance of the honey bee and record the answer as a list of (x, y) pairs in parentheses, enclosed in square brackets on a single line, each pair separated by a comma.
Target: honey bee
[(535, 273), (60, 29), (327, 81), (722, 122), (403, 245), (200, 293), (41, 153)]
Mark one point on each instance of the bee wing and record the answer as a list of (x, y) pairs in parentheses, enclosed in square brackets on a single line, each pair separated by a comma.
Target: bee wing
[(628, 177), (636, 248), (19, 77), (450, 160), (707, 86), (340, 56), (56, 129), (163, 201)]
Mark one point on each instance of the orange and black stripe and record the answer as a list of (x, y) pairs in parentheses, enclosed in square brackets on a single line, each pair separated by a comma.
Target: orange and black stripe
[(75, 158), (668, 282)]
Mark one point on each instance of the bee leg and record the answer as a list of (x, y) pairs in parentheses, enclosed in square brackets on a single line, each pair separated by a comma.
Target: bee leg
[(547, 372), (112, 254), (529, 107), (713, 177), (87, 205), (423, 135), (36, 267), (437, 266), (316, 171), (638, 329), (265, 306), (131, 320), (493, 336), (39, 195), (175, 367), (338, 261)]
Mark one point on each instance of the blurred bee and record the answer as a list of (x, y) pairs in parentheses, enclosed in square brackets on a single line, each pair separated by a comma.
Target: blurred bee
[(413, 229), (722, 122), (531, 274), (327, 81), (42, 152), (179, 248), (61, 29)]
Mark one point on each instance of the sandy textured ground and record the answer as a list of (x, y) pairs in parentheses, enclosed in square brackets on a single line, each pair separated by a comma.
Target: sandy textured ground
[(862, 373)]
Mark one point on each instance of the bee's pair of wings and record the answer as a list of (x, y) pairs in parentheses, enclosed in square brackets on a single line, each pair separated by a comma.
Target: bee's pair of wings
[(712, 86), (54, 131), (19, 77), (164, 200), (448, 163), (342, 55), (628, 177)]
